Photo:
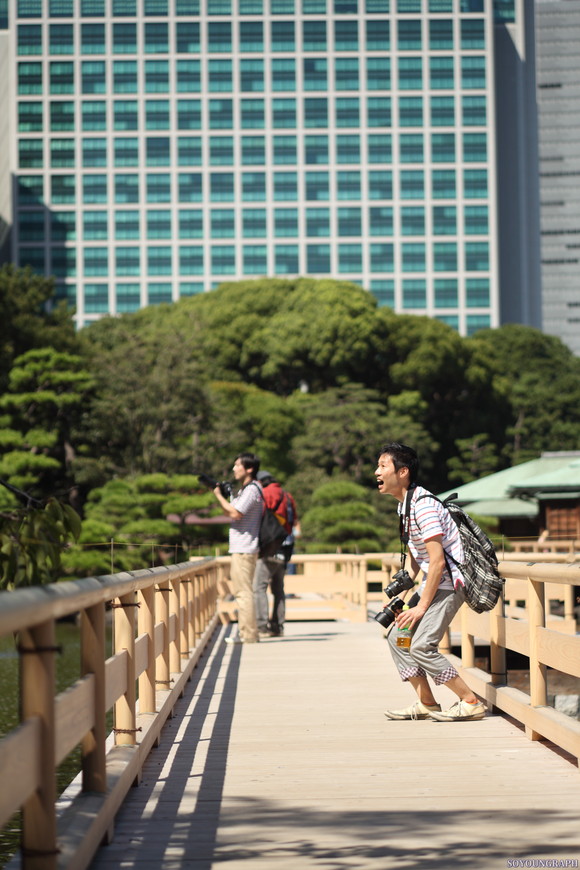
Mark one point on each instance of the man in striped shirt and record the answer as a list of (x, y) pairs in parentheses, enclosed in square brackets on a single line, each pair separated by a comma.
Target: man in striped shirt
[(244, 513), (431, 532)]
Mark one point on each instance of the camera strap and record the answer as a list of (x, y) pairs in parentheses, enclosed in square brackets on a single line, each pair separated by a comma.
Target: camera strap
[(404, 524)]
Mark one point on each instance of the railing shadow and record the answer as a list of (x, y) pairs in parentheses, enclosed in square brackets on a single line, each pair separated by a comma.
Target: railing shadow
[(179, 797)]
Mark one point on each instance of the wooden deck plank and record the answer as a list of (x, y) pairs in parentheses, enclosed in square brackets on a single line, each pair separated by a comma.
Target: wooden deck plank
[(279, 758)]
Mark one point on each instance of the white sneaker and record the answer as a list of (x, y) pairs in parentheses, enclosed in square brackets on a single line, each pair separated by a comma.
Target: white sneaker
[(418, 710), (461, 711)]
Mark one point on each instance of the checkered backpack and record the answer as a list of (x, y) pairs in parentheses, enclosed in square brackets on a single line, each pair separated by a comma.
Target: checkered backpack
[(483, 583)]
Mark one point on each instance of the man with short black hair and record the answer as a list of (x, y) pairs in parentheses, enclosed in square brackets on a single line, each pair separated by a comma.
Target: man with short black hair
[(431, 531), (244, 513)]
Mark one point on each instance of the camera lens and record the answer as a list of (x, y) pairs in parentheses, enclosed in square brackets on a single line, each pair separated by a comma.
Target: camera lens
[(385, 617)]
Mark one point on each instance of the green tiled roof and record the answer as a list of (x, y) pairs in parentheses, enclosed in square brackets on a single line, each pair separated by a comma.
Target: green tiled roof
[(497, 494)]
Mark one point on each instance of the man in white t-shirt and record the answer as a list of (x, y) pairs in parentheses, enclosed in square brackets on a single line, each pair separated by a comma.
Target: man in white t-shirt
[(244, 512), (431, 532)]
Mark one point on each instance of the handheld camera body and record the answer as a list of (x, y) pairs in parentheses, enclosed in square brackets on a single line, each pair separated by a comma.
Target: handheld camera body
[(226, 488), (401, 582)]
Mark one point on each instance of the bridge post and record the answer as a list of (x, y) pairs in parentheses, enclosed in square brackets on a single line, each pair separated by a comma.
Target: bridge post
[(125, 718), (146, 626), (37, 688), (163, 678), (538, 678), (93, 657), (175, 627)]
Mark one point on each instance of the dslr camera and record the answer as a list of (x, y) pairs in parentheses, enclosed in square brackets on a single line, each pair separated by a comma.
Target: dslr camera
[(226, 488), (400, 583)]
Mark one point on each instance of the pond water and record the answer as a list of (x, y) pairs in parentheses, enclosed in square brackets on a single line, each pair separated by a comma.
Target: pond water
[(67, 671)]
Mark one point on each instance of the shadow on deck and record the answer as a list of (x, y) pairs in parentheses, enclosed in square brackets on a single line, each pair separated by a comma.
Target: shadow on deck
[(279, 758)]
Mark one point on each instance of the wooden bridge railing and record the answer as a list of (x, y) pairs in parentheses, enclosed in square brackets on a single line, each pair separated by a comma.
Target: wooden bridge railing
[(158, 647), (162, 620)]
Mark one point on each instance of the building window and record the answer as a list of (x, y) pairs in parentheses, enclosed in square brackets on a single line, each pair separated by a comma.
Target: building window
[(316, 150), (190, 224), (284, 150), (220, 114), (346, 35), (443, 184), (223, 260), (444, 220), (62, 189), (346, 77), (159, 262), (285, 186), (445, 257), (125, 115), (30, 154), (188, 114), (31, 226), (441, 73), (317, 187), (254, 224), (413, 221), (253, 186), (473, 72), (96, 298), (251, 75), (314, 35), (443, 147), (413, 256), (315, 112), (220, 75), (472, 33), (378, 111), (446, 293), (284, 74), (127, 226), (159, 224), (408, 34), (285, 223), (126, 188), (286, 260), (475, 183), (477, 292), (252, 114), (476, 220), (251, 37), (61, 39), (253, 151), (411, 148), (380, 148), (442, 112), (474, 147), (191, 260), (128, 297), (127, 261), (318, 222), (474, 111), (378, 73), (410, 73), (96, 262), (219, 37), (476, 256), (282, 36), (475, 322), (255, 259), (315, 73), (94, 189), (187, 37), (156, 76), (93, 77), (158, 151), (349, 222), (347, 148), (318, 259), (29, 78), (156, 38), (125, 77), (94, 115), (382, 258), (188, 76), (30, 39), (414, 293), (283, 113), (348, 184), (347, 112), (440, 34), (124, 38), (189, 187), (412, 184), (62, 78), (93, 38), (411, 111), (62, 153), (95, 226), (126, 151), (349, 258), (381, 221), (222, 187)]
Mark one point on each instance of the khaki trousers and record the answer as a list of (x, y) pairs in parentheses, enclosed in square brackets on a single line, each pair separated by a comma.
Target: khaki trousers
[(242, 570)]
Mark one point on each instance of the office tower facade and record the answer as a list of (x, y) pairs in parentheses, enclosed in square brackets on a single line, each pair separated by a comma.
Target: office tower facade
[(558, 64), (159, 147)]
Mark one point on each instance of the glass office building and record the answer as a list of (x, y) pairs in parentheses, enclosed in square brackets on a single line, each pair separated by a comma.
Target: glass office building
[(160, 147)]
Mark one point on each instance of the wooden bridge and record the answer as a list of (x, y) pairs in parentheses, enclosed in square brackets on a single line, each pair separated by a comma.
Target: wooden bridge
[(277, 756)]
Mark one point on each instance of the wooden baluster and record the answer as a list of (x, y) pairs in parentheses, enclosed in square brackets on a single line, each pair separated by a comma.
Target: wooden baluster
[(125, 714), (37, 694), (146, 625), (538, 678), (93, 656)]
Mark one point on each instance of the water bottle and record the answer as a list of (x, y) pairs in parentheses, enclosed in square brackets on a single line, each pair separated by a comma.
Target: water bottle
[(404, 635)]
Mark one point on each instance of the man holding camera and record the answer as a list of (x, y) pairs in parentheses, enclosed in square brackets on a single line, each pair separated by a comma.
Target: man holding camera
[(244, 513), (431, 531)]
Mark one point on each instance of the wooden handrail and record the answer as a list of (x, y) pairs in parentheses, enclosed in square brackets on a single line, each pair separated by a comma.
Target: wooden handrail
[(176, 609)]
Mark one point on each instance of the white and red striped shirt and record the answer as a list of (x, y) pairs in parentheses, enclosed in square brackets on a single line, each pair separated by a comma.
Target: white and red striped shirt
[(244, 533), (428, 518)]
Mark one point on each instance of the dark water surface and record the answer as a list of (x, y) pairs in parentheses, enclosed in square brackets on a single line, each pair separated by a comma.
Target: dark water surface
[(67, 671)]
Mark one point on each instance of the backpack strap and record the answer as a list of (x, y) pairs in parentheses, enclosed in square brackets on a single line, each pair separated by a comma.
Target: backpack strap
[(446, 555), (278, 503)]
